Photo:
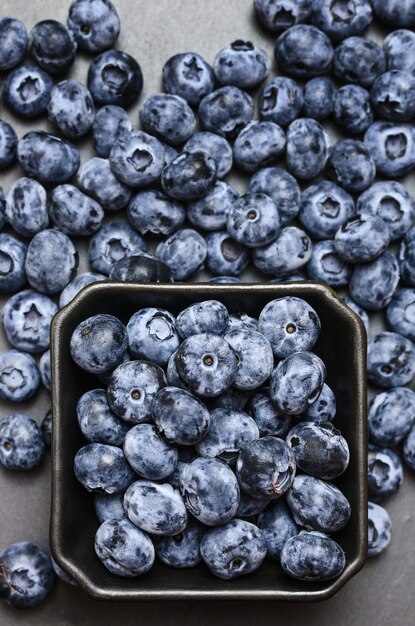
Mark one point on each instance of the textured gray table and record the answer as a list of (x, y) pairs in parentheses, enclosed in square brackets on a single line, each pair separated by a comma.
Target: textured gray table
[(383, 592)]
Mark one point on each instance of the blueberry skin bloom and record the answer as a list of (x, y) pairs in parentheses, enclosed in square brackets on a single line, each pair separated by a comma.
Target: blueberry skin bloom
[(96, 178), (303, 51), (250, 507), (140, 268), (155, 508), (290, 324), (233, 550), (385, 473), (253, 220), (96, 420), (99, 343), (71, 108), (392, 202), (324, 208), (278, 15), (19, 376), (279, 185), (312, 556), (281, 101), (26, 320), (229, 431), (352, 109), (358, 60), (132, 388), (296, 382), (94, 24), (407, 258), (351, 165), (21, 442), (184, 253), (364, 317), (151, 211), (226, 111), (395, 12), (209, 316), (27, 575), (218, 148), (400, 313), (137, 159), (207, 364), (148, 454), (307, 149), (393, 95), (257, 145), (318, 98), (110, 123), (291, 251), (75, 286), (115, 77), (362, 238), (48, 158), (13, 43), (373, 284), (51, 261), (181, 550), (189, 76), (269, 419), (112, 242), (26, 208), (379, 529), (179, 416), (255, 357), (168, 117), (390, 360), (399, 47), (45, 375), (339, 20), (73, 212), (152, 335), (52, 47), (409, 449), (242, 64), (26, 91), (225, 256), (210, 211), (324, 408), (210, 491), (109, 507), (12, 259), (103, 468), (189, 176), (266, 468), (392, 147), (124, 549), (8, 144)]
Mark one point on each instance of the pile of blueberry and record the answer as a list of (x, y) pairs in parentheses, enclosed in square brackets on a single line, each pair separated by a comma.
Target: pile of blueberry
[(212, 441)]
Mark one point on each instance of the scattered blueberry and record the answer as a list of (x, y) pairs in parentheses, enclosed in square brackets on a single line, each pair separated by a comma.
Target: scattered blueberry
[(151, 211), (287, 254), (51, 261), (96, 178), (71, 108), (373, 284), (352, 109), (281, 101), (362, 238), (75, 286), (407, 258), (318, 98), (21, 442), (12, 260), (13, 43), (258, 144), (184, 252), (392, 148), (137, 159), (26, 91), (19, 376), (115, 77), (393, 95), (48, 158), (27, 575), (390, 360), (94, 24), (279, 185), (307, 148), (394, 12), (303, 51), (189, 176), (342, 19), (324, 208), (385, 473), (379, 530), (242, 64), (210, 211), (218, 148), (140, 268), (73, 212), (8, 143), (327, 266), (112, 242), (111, 122), (389, 200), (225, 256), (52, 47), (399, 48), (26, 320), (400, 313), (226, 111), (358, 60), (278, 15), (352, 165), (189, 76)]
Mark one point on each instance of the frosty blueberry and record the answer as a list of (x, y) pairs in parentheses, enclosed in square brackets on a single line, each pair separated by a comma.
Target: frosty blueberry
[(218, 148), (209, 316), (152, 335), (373, 284), (306, 149), (358, 60), (288, 253), (102, 468), (303, 51), (167, 117), (110, 123), (390, 360), (109, 507), (78, 283), (210, 211), (73, 212), (189, 76), (312, 556), (281, 101), (151, 211), (8, 144), (258, 144), (352, 165), (229, 431), (269, 419), (255, 357), (281, 187), (189, 176), (400, 313), (99, 343), (21, 442), (277, 526), (96, 178), (339, 20), (48, 158), (226, 111), (71, 108), (297, 381), (94, 24), (52, 47), (379, 530), (14, 40), (324, 208), (184, 252), (181, 550), (19, 376), (148, 453), (27, 90), (115, 77), (156, 508), (392, 202), (123, 548), (225, 256), (26, 320), (385, 473), (12, 260), (27, 575), (180, 417), (242, 64), (96, 420), (112, 242), (51, 261), (253, 220), (392, 148)]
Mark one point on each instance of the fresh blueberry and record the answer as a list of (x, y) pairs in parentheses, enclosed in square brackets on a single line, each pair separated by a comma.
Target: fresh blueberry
[(393, 96), (45, 370), (52, 47), (400, 313), (62, 575), (278, 15), (71, 108), (152, 335), (151, 211), (254, 356), (13, 43), (109, 507), (140, 268), (312, 556), (167, 117), (179, 416), (373, 284), (409, 449), (225, 256), (218, 148), (115, 77), (242, 64), (379, 529), (392, 147), (26, 320), (110, 123), (324, 208), (352, 165), (48, 158), (250, 507), (124, 549), (358, 60), (51, 261), (390, 360), (132, 388), (253, 220), (392, 202), (359, 311), (103, 468), (96, 420), (407, 258), (296, 382), (324, 408), (137, 159), (385, 473), (318, 98), (148, 453), (291, 251), (395, 12), (12, 260), (340, 19), (279, 185), (229, 431), (210, 211), (94, 24), (269, 419), (352, 109), (181, 550), (189, 176), (112, 242), (26, 208), (232, 399), (157, 508), (399, 47), (21, 442), (19, 376), (73, 212), (303, 51), (46, 428), (226, 111), (258, 144), (362, 238), (210, 491), (184, 253), (307, 148), (99, 343), (96, 178), (209, 316), (8, 143), (75, 286), (26, 91), (277, 526), (26, 575), (281, 101), (189, 76)]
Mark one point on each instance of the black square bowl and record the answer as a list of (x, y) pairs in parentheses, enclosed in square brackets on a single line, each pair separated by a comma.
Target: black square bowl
[(342, 346)]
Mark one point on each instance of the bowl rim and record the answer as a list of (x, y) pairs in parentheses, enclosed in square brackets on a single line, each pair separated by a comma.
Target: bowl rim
[(208, 291)]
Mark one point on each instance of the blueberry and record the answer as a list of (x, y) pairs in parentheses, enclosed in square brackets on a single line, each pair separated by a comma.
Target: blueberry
[(307, 148), (26, 91), (254, 355), (46, 428), (290, 252), (109, 507), (296, 382), (96, 178), (392, 202), (394, 12), (71, 108), (184, 253), (168, 117), (352, 165), (189, 176), (96, 420), (352, 109), (102, 468), (356, 308), (281, 187), (94, 24), (45, 370), (210, 211), (226, 111), (409, 449), (26, 208), (26, 319), (75, 286), (399, 48), (278, 15), (269, 419), (290, 324), (393, 94), (406, 258), (232, 399), (225, 256), (207, 364), (73, 212), (148, 454), (27, 575), (400, 313), (226, 280), (392, 147), (303, 51), (280, 101), (390, 360), (115, 77), (48, 158), (358, 60), (312, 556), (179, 416), (12, 260), (323, 409), (99, 343), (340, 19), (156, 508), (13, 43), (362, 238), (2, 208), (253, 220), (151, 211), (181, 550), (379, 529), (140, 268), (218, 148), (242, 64), (324, 208), (137, 159), (52, 47), (51, 261), (385, 473), (62, 575), (229, 431), (132, 388), (250, 507), (124, 549), (110, 123), (266, 467), (373, 284), (318, 505), (152, 335), (21, 442), (19, 376), (189, 76), (209, 316), (210, 491), (318, 98), (277, 527), (112, 242), (258, 144), (8, 143)]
